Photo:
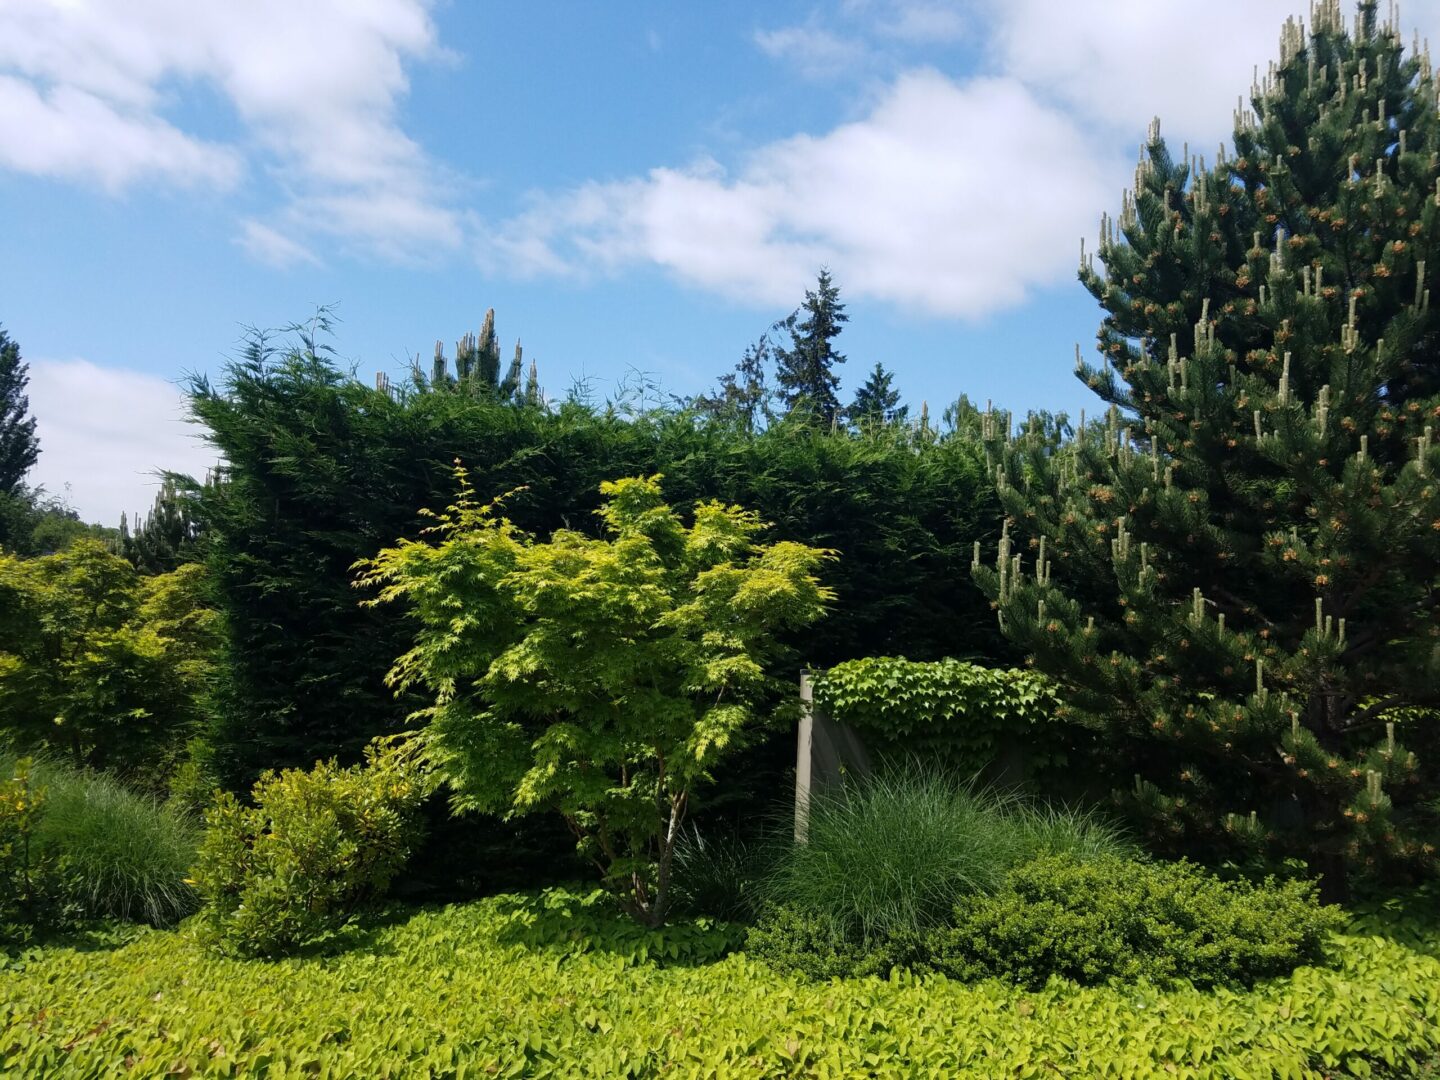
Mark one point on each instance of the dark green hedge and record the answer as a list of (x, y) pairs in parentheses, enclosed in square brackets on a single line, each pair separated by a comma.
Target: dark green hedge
[(324, 470)]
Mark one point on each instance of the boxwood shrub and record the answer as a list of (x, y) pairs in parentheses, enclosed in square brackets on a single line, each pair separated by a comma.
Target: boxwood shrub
[(295, 867)]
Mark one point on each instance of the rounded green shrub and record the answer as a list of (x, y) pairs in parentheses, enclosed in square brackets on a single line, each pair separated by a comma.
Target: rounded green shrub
[(1109, 918), (806, 944), (296, 866)]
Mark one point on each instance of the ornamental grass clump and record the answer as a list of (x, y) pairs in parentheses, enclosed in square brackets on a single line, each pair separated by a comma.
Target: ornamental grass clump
[(888, 856), (80, 844), (891, 854), (123, 855)]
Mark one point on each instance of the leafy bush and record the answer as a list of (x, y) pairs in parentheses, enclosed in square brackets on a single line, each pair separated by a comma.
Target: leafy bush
[(967, 717), (602, 680), (23, 872), (293, 868), (804, 943), (97, 664), (450, 992), (890, 855), (903, 699), (1111, 918), (123, 855)]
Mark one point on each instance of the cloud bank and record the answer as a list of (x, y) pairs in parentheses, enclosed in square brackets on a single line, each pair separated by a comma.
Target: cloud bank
[(89, 89), (953, 196), (928, 202), (104, 432)]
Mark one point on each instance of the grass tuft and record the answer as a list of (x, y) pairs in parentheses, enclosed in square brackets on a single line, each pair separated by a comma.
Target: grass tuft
[(122, 855), (888, 856)]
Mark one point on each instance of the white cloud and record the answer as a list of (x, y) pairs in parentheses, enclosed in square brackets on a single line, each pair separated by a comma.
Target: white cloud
[(86, 85), (952, 198), (104, 431), (815, 52), (68, 132), (268, 245), (1121, 62)]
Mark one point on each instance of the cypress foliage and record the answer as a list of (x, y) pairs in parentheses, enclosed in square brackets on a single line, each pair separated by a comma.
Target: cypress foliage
[(1236, 571), (323, 471)]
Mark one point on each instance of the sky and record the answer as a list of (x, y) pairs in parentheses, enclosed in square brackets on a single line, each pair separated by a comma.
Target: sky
[(639, 189)]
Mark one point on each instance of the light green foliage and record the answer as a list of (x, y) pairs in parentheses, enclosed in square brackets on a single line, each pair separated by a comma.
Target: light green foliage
[(947, 709), (98, 663), (22, 869), (121, 854), (887, 858), (294, 867), (600, 678), (462, 992), (1112, 918)]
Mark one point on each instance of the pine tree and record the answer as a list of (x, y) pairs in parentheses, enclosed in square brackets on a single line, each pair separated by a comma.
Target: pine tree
[(877, 401), (805, 371), (19, 446), (477, 369), (166, 538), (1235, 573)]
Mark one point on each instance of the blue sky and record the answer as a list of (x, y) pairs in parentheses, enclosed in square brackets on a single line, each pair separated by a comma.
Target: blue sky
[(634, 187)]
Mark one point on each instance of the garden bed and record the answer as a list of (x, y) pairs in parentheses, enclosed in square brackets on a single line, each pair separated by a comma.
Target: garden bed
[(552, 985)]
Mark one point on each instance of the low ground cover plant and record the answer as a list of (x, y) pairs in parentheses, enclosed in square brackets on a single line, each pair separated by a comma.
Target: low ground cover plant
[(294, 867), (461, 991)]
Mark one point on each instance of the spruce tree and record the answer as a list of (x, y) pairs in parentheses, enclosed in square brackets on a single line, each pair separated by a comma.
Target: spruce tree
[(19, 446), (805, 371), (877, 401), (1235, 572)]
